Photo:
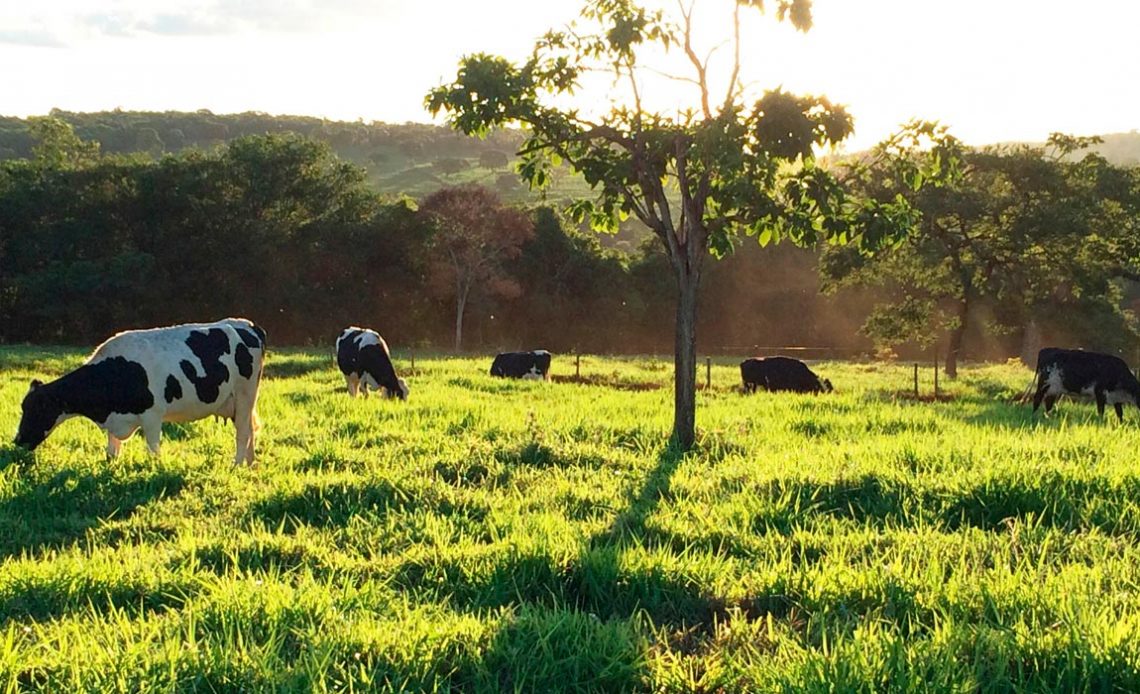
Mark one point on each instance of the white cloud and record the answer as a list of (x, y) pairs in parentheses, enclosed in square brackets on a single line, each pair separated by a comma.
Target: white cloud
[(66, 22)]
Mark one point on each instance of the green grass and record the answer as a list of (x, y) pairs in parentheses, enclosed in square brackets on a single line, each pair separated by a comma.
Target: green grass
[(492, 535)]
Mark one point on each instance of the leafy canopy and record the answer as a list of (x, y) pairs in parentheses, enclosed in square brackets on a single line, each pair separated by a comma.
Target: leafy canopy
[(697, 177)]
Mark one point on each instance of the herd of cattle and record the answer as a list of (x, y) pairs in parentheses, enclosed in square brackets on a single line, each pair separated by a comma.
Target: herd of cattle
[(139, 379)]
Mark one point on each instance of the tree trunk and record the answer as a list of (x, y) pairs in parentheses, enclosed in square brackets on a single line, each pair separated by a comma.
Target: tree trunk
[(956, 336), (460, 305), (685, 361), (1030, 343)]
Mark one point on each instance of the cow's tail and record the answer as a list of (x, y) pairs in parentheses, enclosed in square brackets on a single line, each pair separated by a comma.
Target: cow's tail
[(261, 335), (1027, 394)]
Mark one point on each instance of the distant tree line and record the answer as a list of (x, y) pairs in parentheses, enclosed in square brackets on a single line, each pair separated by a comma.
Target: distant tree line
[(124, 132), (278, 228)]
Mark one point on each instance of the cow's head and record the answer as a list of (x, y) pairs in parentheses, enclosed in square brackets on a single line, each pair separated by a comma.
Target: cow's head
[(41, 412), (827, 387), (402, 393)]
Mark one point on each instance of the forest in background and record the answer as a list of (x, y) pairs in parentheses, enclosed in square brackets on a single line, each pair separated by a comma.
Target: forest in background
[(411, 159), (308, 225)]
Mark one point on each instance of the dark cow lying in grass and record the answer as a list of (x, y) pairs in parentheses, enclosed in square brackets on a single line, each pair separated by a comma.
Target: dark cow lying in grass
[(531, 365), (142, 378), (781, 373), (1076, 372), (365, 361)]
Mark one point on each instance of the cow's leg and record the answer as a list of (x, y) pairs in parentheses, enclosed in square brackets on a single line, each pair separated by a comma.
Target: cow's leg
[(1042, 388), (114, 445), (243, 425), (1099, 394), (353, 384), (246, 421), (1119, 410), (1050, 400), (152, 430)]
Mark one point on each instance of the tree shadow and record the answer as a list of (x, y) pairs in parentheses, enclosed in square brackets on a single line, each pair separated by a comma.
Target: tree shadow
[(59, 511), (600, 581), (630, 523)]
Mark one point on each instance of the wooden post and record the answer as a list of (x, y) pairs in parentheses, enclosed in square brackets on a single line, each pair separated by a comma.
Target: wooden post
[(708, 373), (413, 360), (578, 366), (916, 380), (935, 374)]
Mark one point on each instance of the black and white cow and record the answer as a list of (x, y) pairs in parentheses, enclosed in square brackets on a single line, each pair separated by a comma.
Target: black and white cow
[(781, 373), (531, 365), (1076, 372), (142, 378), (364, 359)]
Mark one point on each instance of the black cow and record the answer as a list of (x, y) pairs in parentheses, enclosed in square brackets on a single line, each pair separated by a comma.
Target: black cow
[(139, 379), (363, 358), (1076, 372), (531, 365), (781, 373)]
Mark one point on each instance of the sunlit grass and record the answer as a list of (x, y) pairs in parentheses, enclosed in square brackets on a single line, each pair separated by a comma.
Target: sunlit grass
[(513, 535)]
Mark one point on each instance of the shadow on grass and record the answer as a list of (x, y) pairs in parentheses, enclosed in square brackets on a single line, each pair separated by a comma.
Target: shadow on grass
[(611, 382), (59, 511), (535, 454), (600, 581), (1022, 416), (334, 504), (43, 596), (295, 365)]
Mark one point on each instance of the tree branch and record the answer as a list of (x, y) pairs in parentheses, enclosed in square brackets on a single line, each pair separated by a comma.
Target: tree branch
[(730, 96), (696, 61)]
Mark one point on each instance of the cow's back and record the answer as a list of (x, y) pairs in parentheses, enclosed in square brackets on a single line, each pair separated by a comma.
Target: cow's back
[(780, 373), (191, 369)]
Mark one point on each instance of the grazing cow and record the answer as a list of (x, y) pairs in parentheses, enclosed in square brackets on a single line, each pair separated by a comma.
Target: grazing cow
[(531, 365), (142, 378), (781, 373), (1076, 372), (363, 358)]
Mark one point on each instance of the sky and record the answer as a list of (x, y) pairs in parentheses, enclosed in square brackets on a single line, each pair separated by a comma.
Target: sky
[(992, 70)]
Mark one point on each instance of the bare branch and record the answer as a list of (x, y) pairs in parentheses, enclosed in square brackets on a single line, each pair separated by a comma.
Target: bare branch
[(735, 57), (700, 67), (677, 78)]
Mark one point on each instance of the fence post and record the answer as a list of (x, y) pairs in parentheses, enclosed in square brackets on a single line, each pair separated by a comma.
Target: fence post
[(577, 366), (413, 360), (708, 373), (935, 374), (916, 380)]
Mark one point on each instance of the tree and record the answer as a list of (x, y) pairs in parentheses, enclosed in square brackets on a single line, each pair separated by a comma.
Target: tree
[(474, 234), (493, 159), (698, 178), (1027, 229), (58, 146)]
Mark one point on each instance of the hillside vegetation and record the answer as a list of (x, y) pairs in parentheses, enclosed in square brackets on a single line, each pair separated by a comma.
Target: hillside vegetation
[(490, 535), (400, 159)]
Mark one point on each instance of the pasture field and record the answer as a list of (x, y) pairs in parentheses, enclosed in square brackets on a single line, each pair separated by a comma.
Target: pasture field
[(493, 535)]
